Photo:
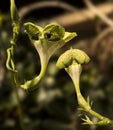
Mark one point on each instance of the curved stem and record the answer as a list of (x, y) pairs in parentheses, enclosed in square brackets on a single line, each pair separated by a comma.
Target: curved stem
[(74, 72), (43, 4), (87, 108), (10, 60), (83, 103), (32, 84), (107, 20)]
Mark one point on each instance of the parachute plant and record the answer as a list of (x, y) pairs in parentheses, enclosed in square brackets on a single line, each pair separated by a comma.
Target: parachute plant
[(46, 41), (72, 61)]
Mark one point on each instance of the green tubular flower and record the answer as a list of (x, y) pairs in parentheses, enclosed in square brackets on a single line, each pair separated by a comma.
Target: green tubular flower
[(46, 41), (71, 61)]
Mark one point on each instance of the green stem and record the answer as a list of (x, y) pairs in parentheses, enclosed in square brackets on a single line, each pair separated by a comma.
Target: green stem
[(83, 103), (32, 84), (16, 28), (86, 107), (15, 84), (75, 71), (19, 107)]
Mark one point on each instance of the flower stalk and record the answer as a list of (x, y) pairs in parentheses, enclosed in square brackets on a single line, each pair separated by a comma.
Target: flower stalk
[(72, 61)]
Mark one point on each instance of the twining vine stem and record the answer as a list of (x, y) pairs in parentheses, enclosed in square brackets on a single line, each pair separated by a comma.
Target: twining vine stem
[(10, 63)]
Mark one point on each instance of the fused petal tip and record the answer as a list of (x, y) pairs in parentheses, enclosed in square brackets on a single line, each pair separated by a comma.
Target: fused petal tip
[(71, 56)]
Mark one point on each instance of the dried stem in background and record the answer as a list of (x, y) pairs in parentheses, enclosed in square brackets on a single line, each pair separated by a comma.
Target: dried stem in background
[(107, 20), (37, 5)]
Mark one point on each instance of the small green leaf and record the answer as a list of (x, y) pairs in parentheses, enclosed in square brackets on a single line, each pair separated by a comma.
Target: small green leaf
[(89, 101), (87, 121)]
